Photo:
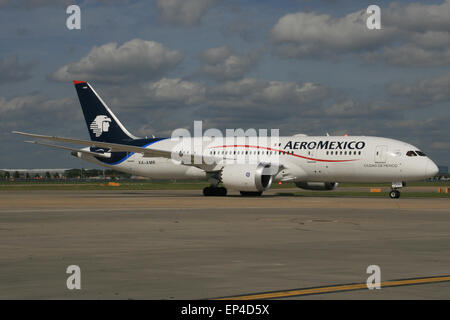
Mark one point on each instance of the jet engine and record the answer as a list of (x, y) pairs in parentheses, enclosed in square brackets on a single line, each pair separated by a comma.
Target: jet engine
[(247, 177), (317, 185)]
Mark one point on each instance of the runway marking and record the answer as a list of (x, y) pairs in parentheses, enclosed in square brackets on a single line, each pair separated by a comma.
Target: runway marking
[(336, 288)]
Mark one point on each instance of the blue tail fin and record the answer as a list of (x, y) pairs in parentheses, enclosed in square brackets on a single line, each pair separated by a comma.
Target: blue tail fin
[(102, 124)]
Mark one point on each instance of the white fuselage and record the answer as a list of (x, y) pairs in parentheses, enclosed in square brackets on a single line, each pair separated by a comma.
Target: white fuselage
[(303, 158)]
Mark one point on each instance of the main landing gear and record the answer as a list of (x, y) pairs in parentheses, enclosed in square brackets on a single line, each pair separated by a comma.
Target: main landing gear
[(214, 191), (395, 193)]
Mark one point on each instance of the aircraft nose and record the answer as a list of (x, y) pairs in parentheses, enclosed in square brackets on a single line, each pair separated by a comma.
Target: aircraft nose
[(431, 169)]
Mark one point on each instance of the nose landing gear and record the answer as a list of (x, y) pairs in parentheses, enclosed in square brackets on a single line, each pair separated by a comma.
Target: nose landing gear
[(394, 194)]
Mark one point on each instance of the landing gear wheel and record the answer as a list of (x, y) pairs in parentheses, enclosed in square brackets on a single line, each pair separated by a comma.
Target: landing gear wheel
[(250, 193), (394, 194), (207, 191), (214, 191), (221, 191)]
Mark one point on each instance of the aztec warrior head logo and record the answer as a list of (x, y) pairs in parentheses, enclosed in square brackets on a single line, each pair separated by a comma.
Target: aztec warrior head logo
[(100, 125)]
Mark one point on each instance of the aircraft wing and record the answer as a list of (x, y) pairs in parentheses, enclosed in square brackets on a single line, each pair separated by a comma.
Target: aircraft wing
[(113, 147), (208, 166)]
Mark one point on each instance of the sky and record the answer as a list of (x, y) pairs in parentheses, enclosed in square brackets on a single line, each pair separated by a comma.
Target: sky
[(305, 66)]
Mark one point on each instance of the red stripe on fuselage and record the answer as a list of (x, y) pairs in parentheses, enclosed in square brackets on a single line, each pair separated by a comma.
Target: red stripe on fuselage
[(285, 152)]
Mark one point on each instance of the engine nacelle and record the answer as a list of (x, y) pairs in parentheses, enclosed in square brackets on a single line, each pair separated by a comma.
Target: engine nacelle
[(247, 177), (317, 185)]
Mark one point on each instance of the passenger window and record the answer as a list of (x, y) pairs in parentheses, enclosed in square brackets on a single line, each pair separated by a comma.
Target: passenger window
[(411, 154)]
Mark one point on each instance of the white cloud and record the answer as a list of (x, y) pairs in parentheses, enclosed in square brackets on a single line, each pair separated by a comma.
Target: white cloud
[(11, 70), (262, 94), (243, 96), (183, 12), (37, 112), (112, 63), (426, 91), (162, 93), (431, 39), (412, 35), (26, 4), (346, 107), (418, 17), (222, 64), (33, 3), (410, 55), (309, 34), (216, 55)]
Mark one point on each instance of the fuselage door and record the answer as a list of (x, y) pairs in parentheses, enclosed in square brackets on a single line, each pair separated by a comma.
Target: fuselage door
[(380, 154), (311, 154)]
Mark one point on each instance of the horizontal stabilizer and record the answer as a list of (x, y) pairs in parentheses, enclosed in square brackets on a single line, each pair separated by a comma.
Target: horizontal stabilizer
[(97, 154), (208, 163), (113, 147)]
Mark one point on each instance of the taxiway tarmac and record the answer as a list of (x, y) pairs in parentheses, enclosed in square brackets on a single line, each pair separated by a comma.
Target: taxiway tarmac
[(181, 245)]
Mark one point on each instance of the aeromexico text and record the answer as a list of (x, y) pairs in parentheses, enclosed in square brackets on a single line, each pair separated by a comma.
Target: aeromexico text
[(331, 145)]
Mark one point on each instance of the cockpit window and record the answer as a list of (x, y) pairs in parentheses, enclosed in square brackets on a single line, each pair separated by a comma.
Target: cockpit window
[(420, 153), (411, 154)]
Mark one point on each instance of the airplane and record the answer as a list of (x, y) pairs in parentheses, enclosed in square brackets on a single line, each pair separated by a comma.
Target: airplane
[(311, 162)]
